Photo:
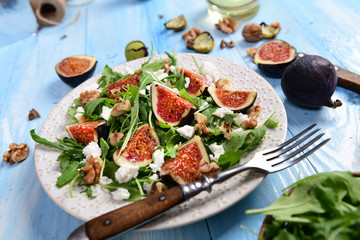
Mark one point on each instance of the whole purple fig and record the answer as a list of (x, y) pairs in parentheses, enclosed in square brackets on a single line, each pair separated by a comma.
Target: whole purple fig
[(310, 82)]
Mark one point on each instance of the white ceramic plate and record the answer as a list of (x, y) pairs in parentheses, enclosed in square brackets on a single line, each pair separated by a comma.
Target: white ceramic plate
[(203, 205)]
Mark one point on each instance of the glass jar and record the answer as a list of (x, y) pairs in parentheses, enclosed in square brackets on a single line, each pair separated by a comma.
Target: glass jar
[(239, 9)]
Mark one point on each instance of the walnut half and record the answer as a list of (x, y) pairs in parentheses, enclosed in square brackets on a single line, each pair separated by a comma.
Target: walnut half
[(92, 169), (201, 122), (17, 153)]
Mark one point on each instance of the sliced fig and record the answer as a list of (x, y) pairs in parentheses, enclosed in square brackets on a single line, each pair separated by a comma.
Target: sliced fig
[(177, 24), (198, 83), (187, 166), (203, 43), (169, 107), (135, 49), (274, 56), (88, 132), (132, 80), (76, 69), (238, 101), (140, 148)]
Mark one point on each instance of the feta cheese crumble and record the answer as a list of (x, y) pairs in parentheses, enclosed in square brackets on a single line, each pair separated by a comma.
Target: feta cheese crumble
[(79, 112), (186, 131), (120, 194), (240, 118), (105, 180), (105, 114), (92, 149), (126, 172), (187, 82), (221, 112), (217, 151), (142, 91), (158, 157), (93, 86), (159, 74), (172, 69)]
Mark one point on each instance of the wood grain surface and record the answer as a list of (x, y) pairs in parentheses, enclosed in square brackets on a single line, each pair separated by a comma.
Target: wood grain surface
[(328, 28)]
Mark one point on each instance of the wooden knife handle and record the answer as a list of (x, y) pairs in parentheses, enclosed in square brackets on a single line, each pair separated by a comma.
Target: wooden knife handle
[(132, 215), (348, 79)]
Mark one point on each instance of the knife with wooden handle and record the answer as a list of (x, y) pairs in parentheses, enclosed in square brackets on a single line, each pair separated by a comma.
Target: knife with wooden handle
[(123, 219)]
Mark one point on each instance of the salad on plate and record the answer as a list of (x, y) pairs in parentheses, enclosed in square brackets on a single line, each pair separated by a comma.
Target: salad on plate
[(144, 131)]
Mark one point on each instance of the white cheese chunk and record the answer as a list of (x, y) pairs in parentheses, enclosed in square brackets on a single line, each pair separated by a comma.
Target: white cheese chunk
[(120, 194), (105, 180), (186, 131), (142, 91), (106, 112), (217, 151), (126, 172), (187, 82), (92, 149), (240, 118), (93, 86), (79, 112), (221, 112), (172, 69), (158, 157)]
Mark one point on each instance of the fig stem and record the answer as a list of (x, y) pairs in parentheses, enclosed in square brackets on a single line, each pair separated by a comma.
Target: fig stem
[(337, 103)]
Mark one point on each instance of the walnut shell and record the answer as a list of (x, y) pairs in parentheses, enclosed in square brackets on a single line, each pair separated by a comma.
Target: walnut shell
[(252, 32)]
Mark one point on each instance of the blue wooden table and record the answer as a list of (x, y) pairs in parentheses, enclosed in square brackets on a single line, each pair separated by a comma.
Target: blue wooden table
[(28, 80)]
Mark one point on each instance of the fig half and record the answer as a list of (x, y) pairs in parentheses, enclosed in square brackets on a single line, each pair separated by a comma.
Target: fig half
[(186, 167), (168, 106), (237, 101), (176, 24), (274, 56), (203, 43), (140, 148), (88, 132), (198, 83), (76, 69)]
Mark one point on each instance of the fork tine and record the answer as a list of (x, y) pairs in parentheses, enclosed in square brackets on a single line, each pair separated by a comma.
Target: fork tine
[(296, 160), (290, 140), (297, 151), (292, 146)]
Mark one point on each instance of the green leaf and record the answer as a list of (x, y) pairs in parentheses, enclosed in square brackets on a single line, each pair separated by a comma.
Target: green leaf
[(184, 94), (272, 123), (65, 161), (70, 143), (229, 159), (91, 107), (68, 174), (43, 141)]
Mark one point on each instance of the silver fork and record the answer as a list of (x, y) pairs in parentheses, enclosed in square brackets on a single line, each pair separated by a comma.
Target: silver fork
[(136, 214)]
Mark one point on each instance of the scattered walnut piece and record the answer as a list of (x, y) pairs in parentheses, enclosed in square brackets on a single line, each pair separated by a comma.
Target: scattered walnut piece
[(225, 129), (227, 25), (92, 169), (160, 15), (88, 96), (16, 153), (115, 138), (252, 32), (209, 169), (276, 24), (33, 114), (192, 33), (157, 187), (224, 44), (166, 66), (121, 108), (249, 123), (201, 122), (254, 112), (251, 51), (223, 83)]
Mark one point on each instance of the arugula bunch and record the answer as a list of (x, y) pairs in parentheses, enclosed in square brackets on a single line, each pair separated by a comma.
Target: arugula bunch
[(72, 159), (322, 206)]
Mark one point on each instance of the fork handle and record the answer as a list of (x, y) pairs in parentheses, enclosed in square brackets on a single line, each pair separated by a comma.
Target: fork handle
[(129, 217)]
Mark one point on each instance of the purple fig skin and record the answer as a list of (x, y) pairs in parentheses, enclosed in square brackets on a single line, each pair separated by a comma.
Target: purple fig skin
[(310, 82)]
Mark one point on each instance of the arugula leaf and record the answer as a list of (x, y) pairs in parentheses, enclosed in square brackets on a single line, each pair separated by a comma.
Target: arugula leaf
[(72, 109), (184, 94), (68, 174), (322, 206), (91, 107), (43, 141), (70, 143)]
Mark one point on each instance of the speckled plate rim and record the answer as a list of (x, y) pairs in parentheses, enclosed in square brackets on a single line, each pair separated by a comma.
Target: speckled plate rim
[(198, 208)]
